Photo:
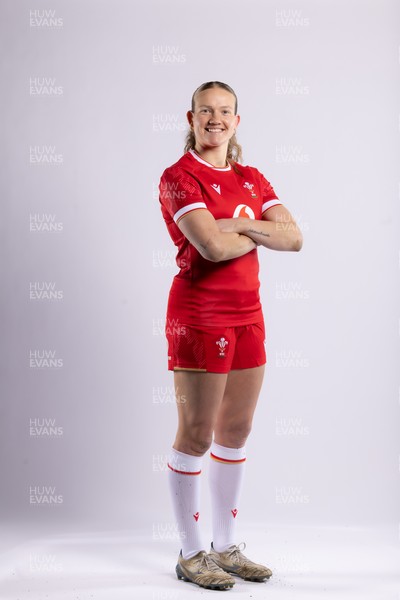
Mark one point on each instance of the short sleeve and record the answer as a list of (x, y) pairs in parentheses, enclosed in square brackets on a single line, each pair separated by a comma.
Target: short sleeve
[(180, 193), (269, 197)]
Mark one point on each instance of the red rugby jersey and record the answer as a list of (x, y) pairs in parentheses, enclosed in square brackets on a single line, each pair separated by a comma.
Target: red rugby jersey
[(206, 293)]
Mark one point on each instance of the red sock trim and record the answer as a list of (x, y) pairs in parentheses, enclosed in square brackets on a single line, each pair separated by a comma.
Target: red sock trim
[(226, 460), (184, 472)]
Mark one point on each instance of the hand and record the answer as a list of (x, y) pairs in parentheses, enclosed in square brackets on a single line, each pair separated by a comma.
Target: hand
[(227, 225)]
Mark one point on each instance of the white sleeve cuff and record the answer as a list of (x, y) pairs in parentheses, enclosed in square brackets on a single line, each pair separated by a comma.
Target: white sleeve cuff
[(188, 208), (269, 204)]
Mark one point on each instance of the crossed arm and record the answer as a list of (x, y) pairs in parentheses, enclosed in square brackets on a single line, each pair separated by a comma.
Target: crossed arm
[(223, 239), (277, 230)]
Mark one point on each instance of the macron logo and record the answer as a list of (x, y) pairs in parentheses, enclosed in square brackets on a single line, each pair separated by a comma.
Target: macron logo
[(216, 187)]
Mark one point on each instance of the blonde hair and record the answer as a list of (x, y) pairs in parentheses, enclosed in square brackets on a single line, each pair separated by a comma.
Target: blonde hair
[(234, 152)]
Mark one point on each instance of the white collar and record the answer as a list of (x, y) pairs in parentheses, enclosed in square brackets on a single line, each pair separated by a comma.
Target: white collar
[(204, 162)]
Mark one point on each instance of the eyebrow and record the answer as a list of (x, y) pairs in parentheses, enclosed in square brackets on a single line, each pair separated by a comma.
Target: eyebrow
[(208, 106)]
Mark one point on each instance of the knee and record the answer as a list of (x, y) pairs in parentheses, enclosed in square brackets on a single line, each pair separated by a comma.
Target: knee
[(196, 440), (200, 446), (233, 435)]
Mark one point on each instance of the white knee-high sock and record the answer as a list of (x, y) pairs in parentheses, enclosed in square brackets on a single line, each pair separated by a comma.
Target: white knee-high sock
[(184, 482), (225, 479)]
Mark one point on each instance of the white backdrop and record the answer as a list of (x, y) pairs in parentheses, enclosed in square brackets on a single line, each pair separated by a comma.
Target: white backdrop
[(93, 107)]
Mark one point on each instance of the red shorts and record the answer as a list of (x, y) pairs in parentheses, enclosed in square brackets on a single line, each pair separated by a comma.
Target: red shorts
[(216, 349)]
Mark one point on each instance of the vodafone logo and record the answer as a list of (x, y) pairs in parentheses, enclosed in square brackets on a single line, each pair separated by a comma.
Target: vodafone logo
[(242, 210)]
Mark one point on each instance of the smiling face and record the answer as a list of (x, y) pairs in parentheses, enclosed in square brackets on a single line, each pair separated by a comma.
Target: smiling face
[(213, 119)]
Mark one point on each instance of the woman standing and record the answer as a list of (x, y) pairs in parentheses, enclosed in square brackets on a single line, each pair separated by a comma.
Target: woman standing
[(217, 212)]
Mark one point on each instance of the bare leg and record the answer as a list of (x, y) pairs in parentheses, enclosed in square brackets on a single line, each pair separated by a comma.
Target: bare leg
[(235, 414), (199, 396), (228, 453)]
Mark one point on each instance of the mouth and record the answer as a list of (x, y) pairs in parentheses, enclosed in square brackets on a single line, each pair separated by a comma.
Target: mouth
[(214, 129)]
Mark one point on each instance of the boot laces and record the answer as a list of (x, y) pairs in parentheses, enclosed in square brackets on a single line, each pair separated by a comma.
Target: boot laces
[(208, 563), (236, 552)]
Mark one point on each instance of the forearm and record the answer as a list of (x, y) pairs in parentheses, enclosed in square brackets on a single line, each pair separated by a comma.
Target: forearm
[(271, 234), (227, 245)]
